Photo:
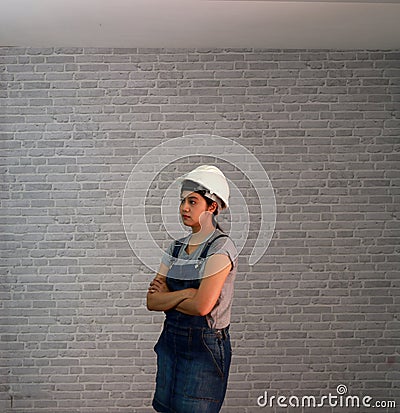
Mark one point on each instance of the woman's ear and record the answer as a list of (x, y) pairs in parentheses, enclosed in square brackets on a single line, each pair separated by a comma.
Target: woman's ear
[(213, 207)]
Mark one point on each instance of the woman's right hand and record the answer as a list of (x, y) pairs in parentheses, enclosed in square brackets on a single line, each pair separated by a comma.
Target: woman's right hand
[(158, 285)]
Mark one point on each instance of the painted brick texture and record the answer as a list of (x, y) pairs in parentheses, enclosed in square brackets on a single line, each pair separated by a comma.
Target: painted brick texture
[(321, 308)]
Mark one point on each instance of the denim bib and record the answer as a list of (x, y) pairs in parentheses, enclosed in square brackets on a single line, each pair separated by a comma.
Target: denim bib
[(184, 276)]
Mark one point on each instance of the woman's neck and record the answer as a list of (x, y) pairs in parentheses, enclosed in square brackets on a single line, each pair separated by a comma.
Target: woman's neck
[(201, 234)]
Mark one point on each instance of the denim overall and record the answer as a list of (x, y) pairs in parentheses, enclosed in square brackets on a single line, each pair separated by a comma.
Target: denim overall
[(193, 359)]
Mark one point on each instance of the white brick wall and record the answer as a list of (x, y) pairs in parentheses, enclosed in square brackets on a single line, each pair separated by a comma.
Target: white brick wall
[(321, 307)]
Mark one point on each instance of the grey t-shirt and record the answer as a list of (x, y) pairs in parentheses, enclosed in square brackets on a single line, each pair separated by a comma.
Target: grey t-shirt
[(220, 315)]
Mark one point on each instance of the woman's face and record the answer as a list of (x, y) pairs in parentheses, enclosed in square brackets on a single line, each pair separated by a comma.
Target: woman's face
[(194, 210)]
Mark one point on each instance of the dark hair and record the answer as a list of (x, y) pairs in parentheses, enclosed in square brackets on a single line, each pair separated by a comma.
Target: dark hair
[(209, 203), (199, 189)]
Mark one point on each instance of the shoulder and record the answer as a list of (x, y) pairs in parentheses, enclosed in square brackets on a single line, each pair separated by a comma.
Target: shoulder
[(223, 245), (222, 240)]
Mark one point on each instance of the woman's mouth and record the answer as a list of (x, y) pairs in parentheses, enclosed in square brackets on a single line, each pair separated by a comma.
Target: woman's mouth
[(185, 216)]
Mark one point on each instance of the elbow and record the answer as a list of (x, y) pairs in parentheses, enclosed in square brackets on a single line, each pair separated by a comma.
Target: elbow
[(149, 304), (153, 304), (203, 313), (202, 307), (202, 310), (152, 307)]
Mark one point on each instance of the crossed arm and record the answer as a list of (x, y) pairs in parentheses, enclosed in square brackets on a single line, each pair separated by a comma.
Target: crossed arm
[(190, 301)]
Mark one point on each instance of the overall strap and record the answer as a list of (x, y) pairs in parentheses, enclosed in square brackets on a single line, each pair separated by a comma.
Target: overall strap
[(178, 245), (177, 248), (208, 245)]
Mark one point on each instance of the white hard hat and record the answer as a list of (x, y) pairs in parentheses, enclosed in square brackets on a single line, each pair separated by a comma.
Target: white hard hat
[(212, 179)]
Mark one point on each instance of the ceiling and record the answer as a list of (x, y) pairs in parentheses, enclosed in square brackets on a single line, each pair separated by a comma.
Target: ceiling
[(340, 24)]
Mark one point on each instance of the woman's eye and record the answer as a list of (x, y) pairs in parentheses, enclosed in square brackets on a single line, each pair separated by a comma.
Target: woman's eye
[(190, 202)]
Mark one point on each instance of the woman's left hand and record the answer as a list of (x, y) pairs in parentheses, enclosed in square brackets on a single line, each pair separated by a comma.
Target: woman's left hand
[(158, 285)]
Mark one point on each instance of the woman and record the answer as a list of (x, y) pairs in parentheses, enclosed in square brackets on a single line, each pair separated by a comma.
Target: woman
[(194, 287)]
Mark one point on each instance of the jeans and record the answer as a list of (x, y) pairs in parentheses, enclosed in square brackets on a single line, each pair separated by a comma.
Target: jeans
[(193, 363)]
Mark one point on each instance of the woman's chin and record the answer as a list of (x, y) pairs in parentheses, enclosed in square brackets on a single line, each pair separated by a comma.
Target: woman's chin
[(186, 223)]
